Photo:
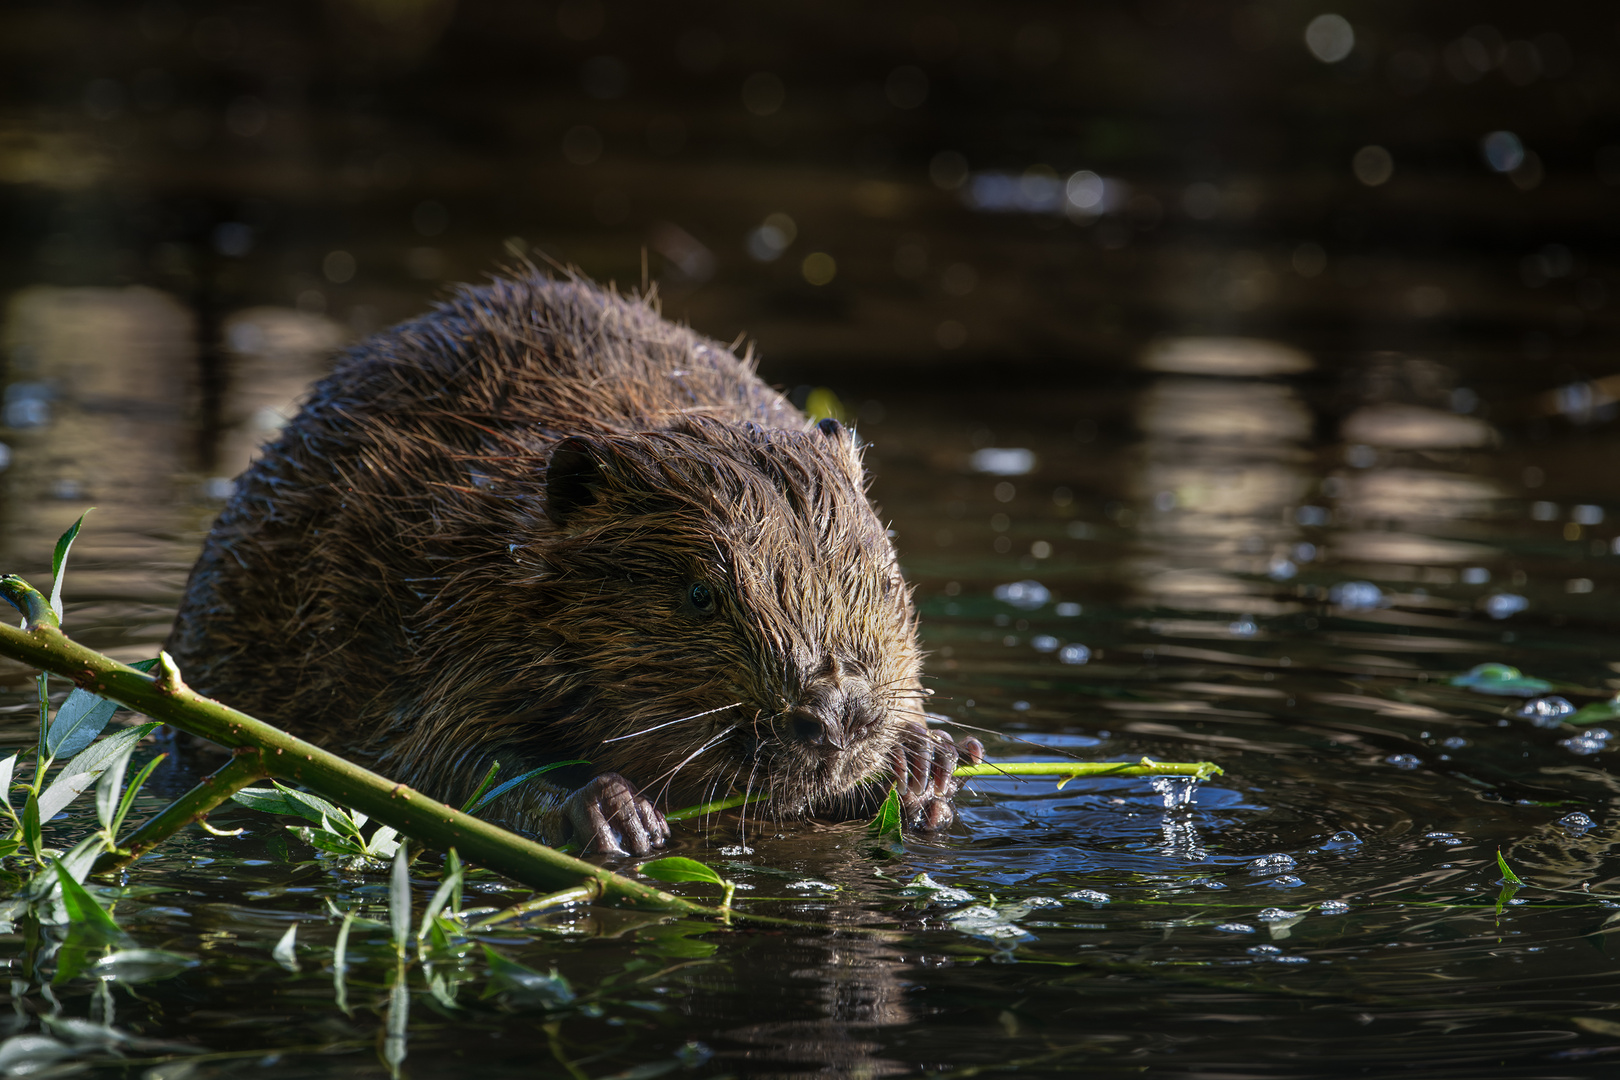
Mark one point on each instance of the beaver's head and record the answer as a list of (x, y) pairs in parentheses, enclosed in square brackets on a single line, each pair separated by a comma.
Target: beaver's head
[(727, 612)]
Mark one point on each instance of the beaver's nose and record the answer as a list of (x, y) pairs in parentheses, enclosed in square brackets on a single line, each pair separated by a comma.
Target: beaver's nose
[(815, 728)]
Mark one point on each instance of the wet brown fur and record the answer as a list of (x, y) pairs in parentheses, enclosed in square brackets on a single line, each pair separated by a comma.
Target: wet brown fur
[(393, 579)]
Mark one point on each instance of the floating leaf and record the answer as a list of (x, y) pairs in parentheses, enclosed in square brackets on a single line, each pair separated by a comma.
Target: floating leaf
[(1502, 679), (1507, 871), (86, 767), (679, 868), (59, 560)]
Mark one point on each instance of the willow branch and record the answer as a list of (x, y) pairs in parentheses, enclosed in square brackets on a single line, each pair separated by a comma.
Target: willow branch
[(286, 757), (245, 767)]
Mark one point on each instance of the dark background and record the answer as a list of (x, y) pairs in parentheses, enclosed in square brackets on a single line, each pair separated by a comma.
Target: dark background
[(350, 158)]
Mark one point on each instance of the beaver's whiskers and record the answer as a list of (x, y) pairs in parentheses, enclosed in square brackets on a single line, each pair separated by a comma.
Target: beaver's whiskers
[(670, 723)]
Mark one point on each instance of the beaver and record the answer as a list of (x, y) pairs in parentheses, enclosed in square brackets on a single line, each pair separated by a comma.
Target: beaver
[(542, 524)]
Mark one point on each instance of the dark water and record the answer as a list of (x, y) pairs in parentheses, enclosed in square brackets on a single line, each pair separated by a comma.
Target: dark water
[(1204, 565), (1230, 396)]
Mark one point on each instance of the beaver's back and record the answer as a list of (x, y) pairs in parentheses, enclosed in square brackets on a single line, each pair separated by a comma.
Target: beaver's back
[(404, 478)]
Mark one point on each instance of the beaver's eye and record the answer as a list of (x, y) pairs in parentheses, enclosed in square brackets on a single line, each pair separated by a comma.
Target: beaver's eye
[(700, 597)]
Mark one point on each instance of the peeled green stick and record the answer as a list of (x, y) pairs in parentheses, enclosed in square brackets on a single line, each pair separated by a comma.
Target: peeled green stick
[(1063, 770)]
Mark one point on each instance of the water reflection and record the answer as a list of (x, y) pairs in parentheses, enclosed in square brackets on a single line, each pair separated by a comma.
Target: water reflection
[(1218, 473)]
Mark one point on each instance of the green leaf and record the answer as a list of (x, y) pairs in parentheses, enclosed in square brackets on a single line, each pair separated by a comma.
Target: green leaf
[(1507, 871), (449, 890), (679, 868), (327, 841), (77, 723), (483, 786), (523, 985), (59, 560), (84, 912), (1598, 712), (399, 900), (6, 768), (30, 825), (294, 803), (81, 718), (83, 770), (384, 843), (889, 817), (1501, 679), (110, 786), (508, 785), (133, 790), (283, 952)]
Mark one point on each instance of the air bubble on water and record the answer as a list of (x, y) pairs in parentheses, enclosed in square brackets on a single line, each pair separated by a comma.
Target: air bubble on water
[(1290, 960), (1437, 835), (1074, 654), (1344, 836), (925, 886), (1576, 822), (1277, 914), (1333, 907), (1042, 902), (1271, 864), (1502, 605), (985, 922), (1243, 628), (736, 849), (1286, 881), (1281, 569), (1023, 595), (812, 885), (1088, 896), (1546, 712), (1263, 950), (1177, 790), (1587, 742), (1356, 595), (1454, 742), (1404, 761), (1044, 643), (1235, 928), (1209, 883), (1020, 706)]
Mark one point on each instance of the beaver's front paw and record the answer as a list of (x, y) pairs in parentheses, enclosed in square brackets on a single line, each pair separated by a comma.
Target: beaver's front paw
[(923, 763), (609, 817)]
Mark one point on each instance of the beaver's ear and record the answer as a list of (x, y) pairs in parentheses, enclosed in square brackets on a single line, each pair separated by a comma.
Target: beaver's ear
[(573, 478)]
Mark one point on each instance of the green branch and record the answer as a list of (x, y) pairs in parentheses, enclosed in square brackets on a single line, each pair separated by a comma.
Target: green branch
[(285, 757), (1198, 770)]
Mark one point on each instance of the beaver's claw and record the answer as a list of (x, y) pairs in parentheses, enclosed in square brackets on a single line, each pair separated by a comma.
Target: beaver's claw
[(608, 817), (923, 762)]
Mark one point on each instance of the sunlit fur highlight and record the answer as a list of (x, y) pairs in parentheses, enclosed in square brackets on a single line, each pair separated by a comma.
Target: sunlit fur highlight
[(389, 579)]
